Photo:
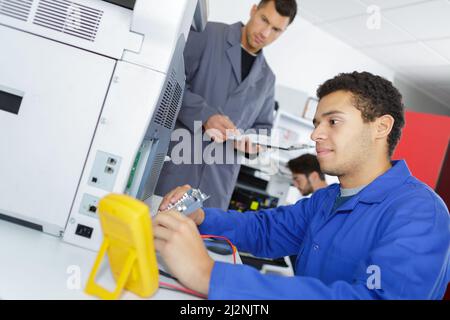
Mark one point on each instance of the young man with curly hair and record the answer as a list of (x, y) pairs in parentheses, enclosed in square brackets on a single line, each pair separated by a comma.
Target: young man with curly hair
[(378, 234)]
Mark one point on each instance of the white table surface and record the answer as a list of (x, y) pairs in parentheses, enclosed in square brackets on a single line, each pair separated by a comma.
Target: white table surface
[(35, 265)]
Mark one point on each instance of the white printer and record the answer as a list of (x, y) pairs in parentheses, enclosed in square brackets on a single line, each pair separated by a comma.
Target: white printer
[(89, 94)]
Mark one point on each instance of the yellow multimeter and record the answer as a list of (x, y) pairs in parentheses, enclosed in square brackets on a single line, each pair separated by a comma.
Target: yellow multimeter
[(128, 242)]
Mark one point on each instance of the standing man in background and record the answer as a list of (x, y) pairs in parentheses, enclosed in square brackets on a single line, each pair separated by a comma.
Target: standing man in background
[(306, 174), (229, 86)]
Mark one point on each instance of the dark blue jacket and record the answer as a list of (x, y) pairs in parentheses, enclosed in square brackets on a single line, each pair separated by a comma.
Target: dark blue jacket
[(390, 241)]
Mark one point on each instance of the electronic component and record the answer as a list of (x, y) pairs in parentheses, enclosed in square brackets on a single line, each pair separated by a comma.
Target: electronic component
[(192, 200)]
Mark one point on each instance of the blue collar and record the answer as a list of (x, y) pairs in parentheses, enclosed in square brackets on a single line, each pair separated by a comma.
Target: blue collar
[(378, 189)]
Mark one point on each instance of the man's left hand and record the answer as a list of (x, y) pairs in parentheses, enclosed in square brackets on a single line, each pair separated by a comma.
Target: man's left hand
[(178, 241)]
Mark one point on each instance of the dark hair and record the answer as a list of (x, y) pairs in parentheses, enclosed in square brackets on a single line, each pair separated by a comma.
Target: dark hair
[(286, 8), (306, 164), (374, 96)]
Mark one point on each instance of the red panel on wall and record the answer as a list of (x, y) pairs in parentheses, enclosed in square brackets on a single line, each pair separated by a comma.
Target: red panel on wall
[(424, 144)]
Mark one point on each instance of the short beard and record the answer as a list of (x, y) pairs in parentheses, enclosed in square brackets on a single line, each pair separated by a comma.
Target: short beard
[(355, 163), (309, 189), (249, 40)]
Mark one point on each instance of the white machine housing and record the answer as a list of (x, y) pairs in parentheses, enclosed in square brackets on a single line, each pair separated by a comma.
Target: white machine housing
[(89, 93)]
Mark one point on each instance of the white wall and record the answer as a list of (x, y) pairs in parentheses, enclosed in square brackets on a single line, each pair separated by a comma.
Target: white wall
[(415, 100), (305, 56), (291, 100)]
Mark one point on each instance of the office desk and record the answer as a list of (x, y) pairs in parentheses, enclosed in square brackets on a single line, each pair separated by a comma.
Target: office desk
[(35, 265)]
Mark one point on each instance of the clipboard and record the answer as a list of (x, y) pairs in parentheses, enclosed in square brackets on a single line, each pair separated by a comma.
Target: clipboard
[(265, 141)]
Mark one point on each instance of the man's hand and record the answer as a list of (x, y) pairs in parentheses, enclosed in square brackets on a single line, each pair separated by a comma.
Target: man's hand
[(178, 241), (218, 126), (176, 194)]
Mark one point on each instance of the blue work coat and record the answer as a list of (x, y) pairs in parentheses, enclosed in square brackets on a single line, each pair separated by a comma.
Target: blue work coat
[(390, 241), (214, 86)]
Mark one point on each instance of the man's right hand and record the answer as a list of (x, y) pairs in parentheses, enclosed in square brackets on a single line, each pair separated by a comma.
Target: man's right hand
[(217, 127), (176, 194)]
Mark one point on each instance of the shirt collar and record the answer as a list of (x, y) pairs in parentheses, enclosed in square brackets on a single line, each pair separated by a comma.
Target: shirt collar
[(250, 53), (234, 37), (234, 53), (350, 192), (379, 189), (235, 34), (382, 186)]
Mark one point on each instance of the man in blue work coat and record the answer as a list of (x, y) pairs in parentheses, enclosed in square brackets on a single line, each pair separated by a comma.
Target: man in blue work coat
[(379, 234), (229, 86)]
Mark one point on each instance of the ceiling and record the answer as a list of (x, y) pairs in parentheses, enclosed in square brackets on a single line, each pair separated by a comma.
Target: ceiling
[(410, 36)]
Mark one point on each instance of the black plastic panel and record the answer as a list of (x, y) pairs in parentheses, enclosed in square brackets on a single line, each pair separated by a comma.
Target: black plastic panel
[(129, 4), (10, 102), (21, 222)]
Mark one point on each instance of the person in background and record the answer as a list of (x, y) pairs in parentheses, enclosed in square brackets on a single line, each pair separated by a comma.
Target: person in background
[(306, 174), (229, 87)]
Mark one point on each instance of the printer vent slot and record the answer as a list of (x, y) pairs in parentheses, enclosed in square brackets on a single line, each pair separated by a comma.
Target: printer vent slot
[(154, 175), (161, 114), (173, 110), (169, 105), (18, 9), (69, 17)]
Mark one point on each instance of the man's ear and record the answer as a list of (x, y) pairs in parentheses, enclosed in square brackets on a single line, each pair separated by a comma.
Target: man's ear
[(253, 10), (383, 126), (314, 176)]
